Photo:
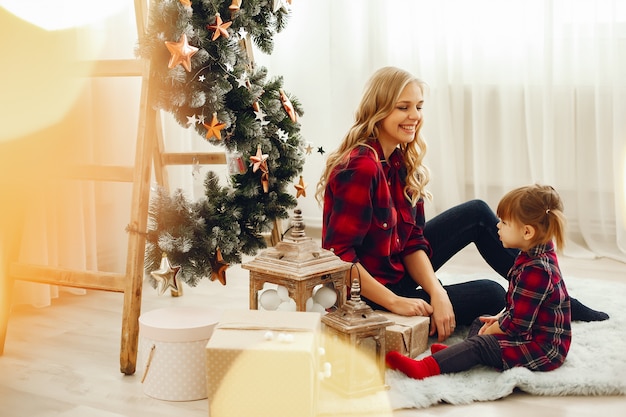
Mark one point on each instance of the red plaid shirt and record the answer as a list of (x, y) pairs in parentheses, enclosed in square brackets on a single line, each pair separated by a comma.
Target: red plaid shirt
[(536, 319), (367, 218)]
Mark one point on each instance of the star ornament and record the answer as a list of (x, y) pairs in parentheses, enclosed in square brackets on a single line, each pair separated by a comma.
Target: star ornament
[(191, 120), (260, 115), (242, 81), (288, 106), (259, 161), (301, 188), (235, 5), (282, 135), (219, 27), (214, 129), (165, 276), (219, 267), (181, 53)]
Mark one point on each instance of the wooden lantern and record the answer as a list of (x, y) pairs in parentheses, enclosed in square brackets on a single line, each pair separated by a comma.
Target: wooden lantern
[(300, 265), (354, 338)]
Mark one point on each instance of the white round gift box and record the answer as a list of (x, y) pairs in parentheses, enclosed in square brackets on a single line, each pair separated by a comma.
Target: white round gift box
[(172, 350)]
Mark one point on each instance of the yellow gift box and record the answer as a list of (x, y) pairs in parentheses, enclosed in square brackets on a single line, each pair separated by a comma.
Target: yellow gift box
[(408, 335), (264, 364)]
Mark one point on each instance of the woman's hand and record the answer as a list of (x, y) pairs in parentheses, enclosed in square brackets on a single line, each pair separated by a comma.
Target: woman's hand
[(411, 307), (442, 321)]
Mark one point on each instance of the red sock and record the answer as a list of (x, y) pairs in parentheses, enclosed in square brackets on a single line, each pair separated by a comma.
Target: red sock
[(416, 369), (436, 347)]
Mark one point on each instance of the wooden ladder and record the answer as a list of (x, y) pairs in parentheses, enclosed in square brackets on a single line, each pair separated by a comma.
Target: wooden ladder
[(150, 153), (149, 146)]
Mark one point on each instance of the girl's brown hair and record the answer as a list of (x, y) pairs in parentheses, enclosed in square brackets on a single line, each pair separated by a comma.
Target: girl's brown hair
[(380, 96), (539, 206)]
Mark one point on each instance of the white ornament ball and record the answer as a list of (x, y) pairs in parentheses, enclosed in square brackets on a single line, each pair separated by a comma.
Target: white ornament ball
[(318, 308), (269, 299), (326, 297), (283, 293), (287, 305)]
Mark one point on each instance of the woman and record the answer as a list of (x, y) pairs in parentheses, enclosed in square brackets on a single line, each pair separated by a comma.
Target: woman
[(373, 191)]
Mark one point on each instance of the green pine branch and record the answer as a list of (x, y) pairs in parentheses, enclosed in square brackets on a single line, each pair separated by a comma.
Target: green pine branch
[(232, 217)]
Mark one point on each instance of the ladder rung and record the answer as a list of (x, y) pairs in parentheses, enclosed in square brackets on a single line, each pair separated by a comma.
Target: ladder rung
[(203, 158), (111, 68), (114, 173), (95, 280)]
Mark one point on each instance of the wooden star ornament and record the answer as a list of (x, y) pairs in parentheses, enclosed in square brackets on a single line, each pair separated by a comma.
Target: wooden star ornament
[(219, 267), (235, 5), (259, 160), (288, 106), (301, 188), (165, 276), (214, 129), (219, 27), (181, 53)]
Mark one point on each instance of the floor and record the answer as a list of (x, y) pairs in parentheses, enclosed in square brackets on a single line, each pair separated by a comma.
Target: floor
[(63, 360)]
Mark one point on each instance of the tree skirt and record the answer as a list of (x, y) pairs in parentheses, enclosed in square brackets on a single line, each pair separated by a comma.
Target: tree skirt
[(595, 365)]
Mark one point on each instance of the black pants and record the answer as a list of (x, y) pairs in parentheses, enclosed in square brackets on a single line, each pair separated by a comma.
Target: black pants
[(474, 350)]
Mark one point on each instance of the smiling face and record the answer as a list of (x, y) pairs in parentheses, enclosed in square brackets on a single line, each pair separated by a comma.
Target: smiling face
[(401, 124)]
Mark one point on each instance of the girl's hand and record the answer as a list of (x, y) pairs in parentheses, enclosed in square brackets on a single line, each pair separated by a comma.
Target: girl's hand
[(487, 321)]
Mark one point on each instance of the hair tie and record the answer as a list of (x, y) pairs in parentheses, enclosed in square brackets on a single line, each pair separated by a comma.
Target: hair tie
[(547, 211)]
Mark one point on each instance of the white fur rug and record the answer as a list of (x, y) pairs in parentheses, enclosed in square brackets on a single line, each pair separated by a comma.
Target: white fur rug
[(595, 365)]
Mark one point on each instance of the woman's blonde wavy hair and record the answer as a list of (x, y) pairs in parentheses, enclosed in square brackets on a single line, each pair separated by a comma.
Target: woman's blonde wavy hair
[(379, 100)]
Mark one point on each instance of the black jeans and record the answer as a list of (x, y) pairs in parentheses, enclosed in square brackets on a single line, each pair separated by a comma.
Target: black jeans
[(448, 233), (474, 350), (470, 222)]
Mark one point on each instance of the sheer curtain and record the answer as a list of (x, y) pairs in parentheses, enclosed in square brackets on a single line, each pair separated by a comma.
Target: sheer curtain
[(519, 92), (76, 224)]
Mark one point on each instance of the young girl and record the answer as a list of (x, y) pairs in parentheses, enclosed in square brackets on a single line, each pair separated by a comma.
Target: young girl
[(533, 330)]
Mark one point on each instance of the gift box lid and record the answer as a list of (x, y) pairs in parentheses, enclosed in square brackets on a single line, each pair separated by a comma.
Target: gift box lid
[(240, 328), (179, 324)]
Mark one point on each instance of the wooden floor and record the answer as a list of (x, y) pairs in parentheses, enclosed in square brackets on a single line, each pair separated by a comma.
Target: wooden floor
[(63, 360)]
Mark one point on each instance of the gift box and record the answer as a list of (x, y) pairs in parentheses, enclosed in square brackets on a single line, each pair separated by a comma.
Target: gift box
[(408, 335), (264, 364), (171, 349)]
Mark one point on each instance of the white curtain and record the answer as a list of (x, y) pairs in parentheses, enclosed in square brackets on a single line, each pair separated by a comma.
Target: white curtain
[(77, 224), (520, 92)]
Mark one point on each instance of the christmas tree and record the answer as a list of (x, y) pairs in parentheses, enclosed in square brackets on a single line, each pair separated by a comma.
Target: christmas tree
[(204, 75)]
